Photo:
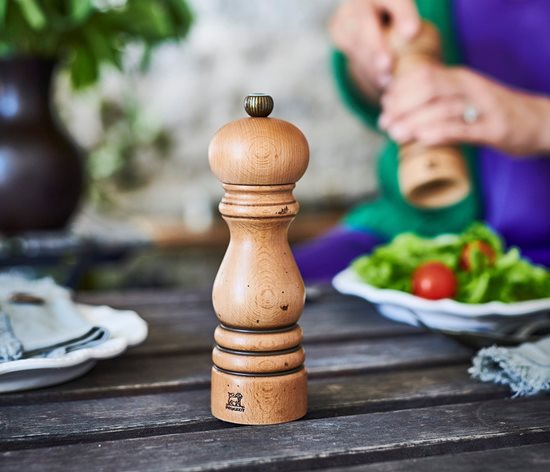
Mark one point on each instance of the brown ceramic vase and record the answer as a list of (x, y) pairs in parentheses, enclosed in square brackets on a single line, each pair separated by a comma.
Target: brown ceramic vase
[(41, 168)]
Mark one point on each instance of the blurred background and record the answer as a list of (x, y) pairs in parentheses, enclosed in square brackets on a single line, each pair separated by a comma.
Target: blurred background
[(145, 127)]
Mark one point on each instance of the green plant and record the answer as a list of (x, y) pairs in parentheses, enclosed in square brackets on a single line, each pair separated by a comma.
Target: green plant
[(124, 157), (84, 34)]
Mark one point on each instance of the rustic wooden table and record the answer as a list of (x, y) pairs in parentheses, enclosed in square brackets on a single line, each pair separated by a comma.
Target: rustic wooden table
[(383, 396)]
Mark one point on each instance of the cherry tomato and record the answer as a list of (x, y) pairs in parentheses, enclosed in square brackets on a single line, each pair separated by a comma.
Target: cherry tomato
[(481, 246), (434, 280)]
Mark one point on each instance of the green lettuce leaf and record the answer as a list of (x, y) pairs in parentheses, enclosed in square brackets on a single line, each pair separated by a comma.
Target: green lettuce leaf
[(510, 279)]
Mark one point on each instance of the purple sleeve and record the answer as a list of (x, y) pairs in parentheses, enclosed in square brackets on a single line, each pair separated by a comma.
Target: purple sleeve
[(510, 41), (322, 258)]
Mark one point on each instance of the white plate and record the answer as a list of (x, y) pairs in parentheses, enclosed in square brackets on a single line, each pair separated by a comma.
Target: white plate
[(126, 329), (445, 314)]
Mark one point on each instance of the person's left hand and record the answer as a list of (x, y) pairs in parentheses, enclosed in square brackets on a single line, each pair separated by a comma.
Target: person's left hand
[(436, 105)]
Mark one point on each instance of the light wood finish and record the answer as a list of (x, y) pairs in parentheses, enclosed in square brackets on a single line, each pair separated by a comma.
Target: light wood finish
[(258, 285), (258, 288), (429, 177), (433, 177), (263, 400), (258, 151)]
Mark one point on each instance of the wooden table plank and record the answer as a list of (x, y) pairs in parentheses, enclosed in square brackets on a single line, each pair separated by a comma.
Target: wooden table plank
[(178, 328), (147, 415), (162, 297), (303, 445), (131, 375), (145, 297), (379, 392), (186, 322), (534, 458)]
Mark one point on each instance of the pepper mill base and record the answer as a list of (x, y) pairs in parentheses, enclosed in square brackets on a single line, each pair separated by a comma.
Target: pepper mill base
[(433, 177), (257, 400)]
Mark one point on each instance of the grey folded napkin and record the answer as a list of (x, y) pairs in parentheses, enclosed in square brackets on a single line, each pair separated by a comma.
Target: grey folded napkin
[(39, 319), (525, 368), (10, 347)]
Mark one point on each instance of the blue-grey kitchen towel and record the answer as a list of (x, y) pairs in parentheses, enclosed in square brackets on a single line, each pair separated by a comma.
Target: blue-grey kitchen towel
[(526, 368)]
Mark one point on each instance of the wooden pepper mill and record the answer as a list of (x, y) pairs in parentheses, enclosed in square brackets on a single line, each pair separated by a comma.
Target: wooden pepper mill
[(258, 375), (429, 177)]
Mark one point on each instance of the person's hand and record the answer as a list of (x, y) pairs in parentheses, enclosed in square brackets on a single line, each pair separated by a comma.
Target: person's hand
[(357, 29), (436, 105)]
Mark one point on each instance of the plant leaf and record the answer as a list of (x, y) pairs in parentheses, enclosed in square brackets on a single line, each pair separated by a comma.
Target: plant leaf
[(182, 15), (83, 35), (84, 68), (5, 48), (145, 20), (3, 7), (101, 47), (32, 13), (80, 9)]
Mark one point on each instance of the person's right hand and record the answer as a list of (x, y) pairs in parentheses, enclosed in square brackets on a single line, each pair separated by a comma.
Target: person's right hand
[(357, 29)]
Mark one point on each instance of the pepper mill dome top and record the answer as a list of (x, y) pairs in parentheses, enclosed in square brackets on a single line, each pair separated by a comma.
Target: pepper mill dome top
[(258, 150)]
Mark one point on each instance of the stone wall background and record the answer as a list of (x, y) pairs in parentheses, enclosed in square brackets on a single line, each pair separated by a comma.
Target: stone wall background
[(236, 47)]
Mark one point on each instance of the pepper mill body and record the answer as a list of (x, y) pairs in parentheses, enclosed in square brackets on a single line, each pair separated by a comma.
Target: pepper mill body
[(258, 375), (429, 177)]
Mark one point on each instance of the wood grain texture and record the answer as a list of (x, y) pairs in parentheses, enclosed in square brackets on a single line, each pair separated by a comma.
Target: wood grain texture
[(189, 410), (258, 400), (258, 151), (534, 458), (303, 445), (133, 375), (382, 396), (135, 299), (258, 285), (182, 327)]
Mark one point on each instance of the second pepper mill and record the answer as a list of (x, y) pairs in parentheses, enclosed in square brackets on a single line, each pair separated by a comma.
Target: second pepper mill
[(258, 375), (436, 176)]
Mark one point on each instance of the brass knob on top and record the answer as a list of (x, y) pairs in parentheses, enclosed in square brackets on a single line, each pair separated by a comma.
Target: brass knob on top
[(258, 105)]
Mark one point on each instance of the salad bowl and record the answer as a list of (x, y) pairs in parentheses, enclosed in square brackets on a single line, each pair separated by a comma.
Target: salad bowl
[(482, 323)]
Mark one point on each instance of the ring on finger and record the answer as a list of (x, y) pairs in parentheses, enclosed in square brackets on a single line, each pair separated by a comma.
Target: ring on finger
[(470, 114)]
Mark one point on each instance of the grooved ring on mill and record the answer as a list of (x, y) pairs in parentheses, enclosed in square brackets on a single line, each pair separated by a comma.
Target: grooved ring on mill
[(259, 374), (284, 329), (258, 362), (258, 353)]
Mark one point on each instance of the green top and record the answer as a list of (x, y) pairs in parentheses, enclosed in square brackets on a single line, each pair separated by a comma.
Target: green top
[(390, 214)]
